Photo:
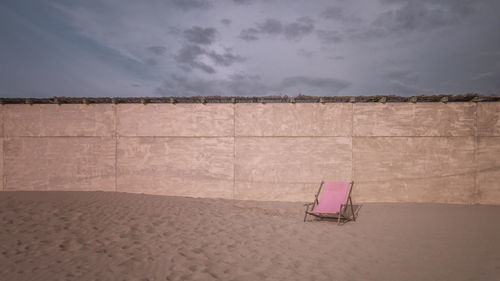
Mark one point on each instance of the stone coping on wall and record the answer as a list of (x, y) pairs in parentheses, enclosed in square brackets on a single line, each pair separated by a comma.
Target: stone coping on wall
[(472, 97)]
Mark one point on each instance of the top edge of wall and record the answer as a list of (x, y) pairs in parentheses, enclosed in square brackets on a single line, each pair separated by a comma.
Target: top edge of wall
[(266, 99)]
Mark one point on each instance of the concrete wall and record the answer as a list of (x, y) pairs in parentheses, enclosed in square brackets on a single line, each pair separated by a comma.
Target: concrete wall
[(395, 152)]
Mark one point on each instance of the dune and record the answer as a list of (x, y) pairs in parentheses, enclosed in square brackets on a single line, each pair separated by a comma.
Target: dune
[(122, 236)]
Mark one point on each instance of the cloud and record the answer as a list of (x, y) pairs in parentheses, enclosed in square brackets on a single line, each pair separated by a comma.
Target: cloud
[(187, 5), (234, 85), (151, 61), (225, 21), (200, 35), (305, 53), (224, 59), (249, 34), (243, 2), (339, 14), (300, 28), (332, 13), (329, 36), (188, 58), (315, 85), (270, 26), (292, 31), (423, 15), (157, 50), (192, 57)]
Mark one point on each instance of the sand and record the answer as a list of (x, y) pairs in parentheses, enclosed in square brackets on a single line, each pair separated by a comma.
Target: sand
[(120, 236)]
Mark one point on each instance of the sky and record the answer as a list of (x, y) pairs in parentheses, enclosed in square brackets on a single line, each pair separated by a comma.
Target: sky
[(155, 48)]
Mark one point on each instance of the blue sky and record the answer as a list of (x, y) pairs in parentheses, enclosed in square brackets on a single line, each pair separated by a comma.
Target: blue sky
[(98, 48)]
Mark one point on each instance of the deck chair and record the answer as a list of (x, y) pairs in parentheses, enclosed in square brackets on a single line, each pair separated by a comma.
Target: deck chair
[(334, 202)]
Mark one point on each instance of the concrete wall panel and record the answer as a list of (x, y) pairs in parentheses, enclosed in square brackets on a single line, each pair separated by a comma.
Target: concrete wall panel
[(425, 169), (421, 119), (2, 114), (59, 163), (1, 166), (175, 120), (58, 120), (262, 191), (449, 189), (197, 167), (292, 160), (488, 119), (307, 119), (488, 167)]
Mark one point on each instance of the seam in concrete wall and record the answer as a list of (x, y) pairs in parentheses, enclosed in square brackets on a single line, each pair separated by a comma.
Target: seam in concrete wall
[(352, 142), (416, 137), (3, 149), (3, 120), (115, 134), (234, 151), (177, 137), (475, 192)]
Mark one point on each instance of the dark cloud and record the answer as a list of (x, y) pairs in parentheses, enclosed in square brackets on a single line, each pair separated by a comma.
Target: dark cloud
[(305, 53), (339, 14), (151, 61), (315, 85), (225, 59), (369, 33), (188, 58), (291, 31), (300, 28), (200, 35), (225, 21), (243, 2), (187, 5), (402, 17), (157, 50), (329, 36), (249, 34), (270, 26), (423, 15), (234, 85), (332, 13)]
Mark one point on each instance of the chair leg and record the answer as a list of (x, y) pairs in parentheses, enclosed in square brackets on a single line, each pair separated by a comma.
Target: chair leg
[(352, 210), (340, 214), (305, 214)]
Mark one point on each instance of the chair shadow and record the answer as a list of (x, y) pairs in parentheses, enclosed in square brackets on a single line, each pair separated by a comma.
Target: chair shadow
[(334, 217)]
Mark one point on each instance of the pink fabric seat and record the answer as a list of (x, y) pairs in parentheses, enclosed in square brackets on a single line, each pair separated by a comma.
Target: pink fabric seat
[(334, 194)]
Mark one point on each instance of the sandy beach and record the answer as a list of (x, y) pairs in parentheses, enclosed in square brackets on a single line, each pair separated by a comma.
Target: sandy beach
[(120, 236)]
